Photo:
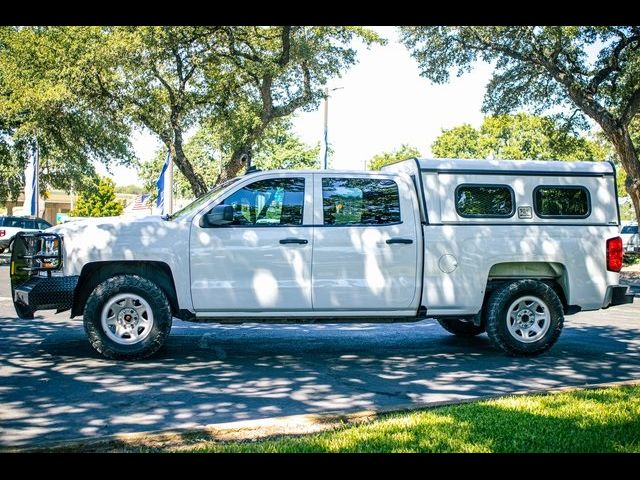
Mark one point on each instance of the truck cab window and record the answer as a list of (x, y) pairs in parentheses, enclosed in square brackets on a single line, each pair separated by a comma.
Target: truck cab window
[(360, 201), (273, 202)]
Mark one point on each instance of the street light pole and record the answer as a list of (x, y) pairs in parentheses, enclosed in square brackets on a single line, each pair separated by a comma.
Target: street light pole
[(326, 125)]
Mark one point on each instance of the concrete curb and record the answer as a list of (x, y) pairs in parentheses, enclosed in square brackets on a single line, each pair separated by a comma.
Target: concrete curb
[(292, 425)]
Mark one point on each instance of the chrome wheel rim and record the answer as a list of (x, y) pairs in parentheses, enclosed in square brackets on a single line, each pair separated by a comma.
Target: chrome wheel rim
[(127, 319), (528, 319)]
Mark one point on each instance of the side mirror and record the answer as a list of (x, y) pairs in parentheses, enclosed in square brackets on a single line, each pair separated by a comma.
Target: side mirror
[(220, 215)]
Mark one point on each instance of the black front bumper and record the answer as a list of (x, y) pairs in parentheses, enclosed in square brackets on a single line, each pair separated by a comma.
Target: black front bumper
[(45, 293), (618, 295)]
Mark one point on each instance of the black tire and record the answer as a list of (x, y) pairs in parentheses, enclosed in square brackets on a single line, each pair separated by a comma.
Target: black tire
[(460, 328), (24, 312), (497, 323), (141, 287)]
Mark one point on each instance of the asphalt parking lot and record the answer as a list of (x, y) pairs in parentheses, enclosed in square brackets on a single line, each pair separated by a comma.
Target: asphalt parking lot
[(53, 386)]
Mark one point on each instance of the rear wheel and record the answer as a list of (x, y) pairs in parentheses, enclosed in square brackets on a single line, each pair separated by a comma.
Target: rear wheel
[(524, 317), (127, 317), (460, 328)]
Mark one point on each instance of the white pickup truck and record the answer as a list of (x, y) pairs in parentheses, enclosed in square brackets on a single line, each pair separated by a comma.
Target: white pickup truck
[(506, 247)]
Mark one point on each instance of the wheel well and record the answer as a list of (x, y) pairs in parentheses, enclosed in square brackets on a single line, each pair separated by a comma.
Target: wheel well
[(551, 273), (95, 273)]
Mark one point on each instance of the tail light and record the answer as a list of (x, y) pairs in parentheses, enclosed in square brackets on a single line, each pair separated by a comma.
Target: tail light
[(614, 254), (3, 233)]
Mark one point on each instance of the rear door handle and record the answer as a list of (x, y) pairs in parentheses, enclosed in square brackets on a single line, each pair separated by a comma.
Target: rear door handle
[(286, 241), (399, 240)]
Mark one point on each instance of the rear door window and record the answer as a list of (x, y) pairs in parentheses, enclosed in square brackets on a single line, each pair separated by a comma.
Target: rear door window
[(360, 201)]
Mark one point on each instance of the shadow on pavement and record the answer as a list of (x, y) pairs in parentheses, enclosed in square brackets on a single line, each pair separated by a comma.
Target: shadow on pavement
[(53, 386)]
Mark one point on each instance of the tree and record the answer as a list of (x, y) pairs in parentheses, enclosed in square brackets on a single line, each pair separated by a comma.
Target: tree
[(381, 159), (516, 137), (39, 102), (98, 200), (236, 81), (545, 67), (278, 149), (130, 189), (285, 150)]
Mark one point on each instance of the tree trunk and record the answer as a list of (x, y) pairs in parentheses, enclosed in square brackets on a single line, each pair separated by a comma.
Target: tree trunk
[(240, 160), (197, 183), (241, 157), (621, 140)]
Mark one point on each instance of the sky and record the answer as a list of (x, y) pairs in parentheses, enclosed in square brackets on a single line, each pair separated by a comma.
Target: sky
[(381, 103)]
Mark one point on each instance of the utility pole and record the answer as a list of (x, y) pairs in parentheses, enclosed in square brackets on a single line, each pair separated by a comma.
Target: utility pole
[(168, 192), (36, 186), (326, 126)]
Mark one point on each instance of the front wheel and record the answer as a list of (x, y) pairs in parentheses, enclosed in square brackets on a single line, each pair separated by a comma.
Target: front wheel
[(127, 317), (524, 317)]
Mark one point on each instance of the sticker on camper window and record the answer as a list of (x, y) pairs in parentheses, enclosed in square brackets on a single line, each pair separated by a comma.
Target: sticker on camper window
[(525, 212)]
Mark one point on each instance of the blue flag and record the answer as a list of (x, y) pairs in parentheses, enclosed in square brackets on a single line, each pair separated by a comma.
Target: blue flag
[(160, 183), (31, 183)]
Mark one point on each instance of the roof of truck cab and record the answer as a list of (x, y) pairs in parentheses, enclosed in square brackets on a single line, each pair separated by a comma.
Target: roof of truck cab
[(516, 166), (321, 171)]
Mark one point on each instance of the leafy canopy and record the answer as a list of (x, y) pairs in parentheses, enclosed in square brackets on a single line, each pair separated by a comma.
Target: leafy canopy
[(385, 158), (279, 148), (516, 137), (540, 68), (41, 78), (234, 80)]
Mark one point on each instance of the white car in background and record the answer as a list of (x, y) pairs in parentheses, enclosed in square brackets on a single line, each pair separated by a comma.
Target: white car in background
[(630, 238), (10, 225)]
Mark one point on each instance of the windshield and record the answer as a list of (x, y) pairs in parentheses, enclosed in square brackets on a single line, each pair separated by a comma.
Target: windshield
[(198, 202), (630, 229)]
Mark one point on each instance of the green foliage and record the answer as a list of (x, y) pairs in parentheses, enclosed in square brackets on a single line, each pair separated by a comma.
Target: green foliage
[(279, 148), (526, 58), (79, 90), (627, 213), (516, 137), (621, 178), (285, 150), (132, 189), (236, 81), (98, 200), (575, 72), (380, 160), (459, 142), (40, 81)]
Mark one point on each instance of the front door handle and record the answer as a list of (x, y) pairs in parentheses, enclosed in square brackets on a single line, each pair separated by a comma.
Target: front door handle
[(286, 241), (399, 240)]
